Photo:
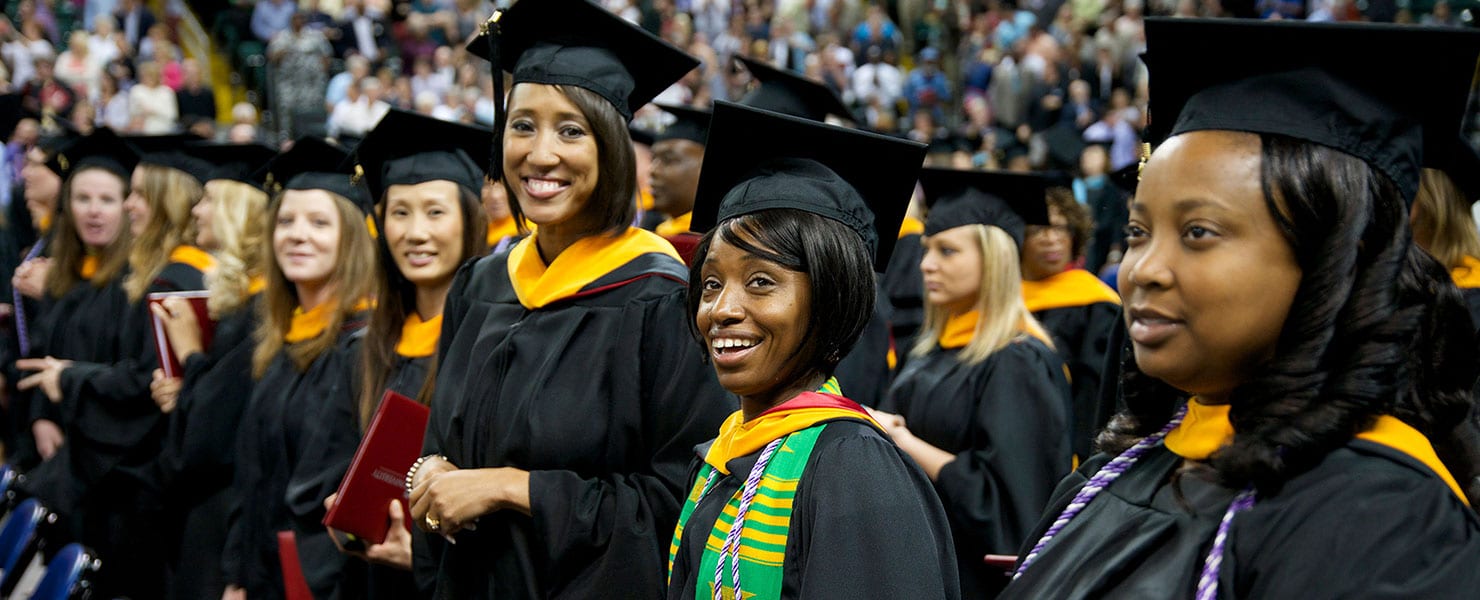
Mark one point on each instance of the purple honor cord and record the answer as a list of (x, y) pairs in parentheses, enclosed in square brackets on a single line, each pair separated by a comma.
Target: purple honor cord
[(22, 332), (1207, 584), (731, 547)]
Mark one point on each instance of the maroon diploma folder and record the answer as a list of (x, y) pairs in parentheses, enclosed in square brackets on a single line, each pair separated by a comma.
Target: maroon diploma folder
[(378, 473), (162, 348)]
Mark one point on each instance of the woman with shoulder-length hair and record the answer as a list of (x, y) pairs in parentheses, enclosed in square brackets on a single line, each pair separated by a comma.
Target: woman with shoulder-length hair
[(1293, 352), (87, 253), (117, 428), (318, 283), (798, 484), (205, 403), (567, 399), (983, 404), (431, 222)]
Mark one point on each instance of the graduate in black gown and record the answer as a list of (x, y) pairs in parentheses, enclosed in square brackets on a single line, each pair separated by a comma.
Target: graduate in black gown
[(865, 372), (673, 175), (1074, 306), (316, 301), (983, 404), (781, 287), (84, 302), (431, 222), (41, 189), (205, 404), (116, 431), (1291, 361), (568, 396), (902, 289)]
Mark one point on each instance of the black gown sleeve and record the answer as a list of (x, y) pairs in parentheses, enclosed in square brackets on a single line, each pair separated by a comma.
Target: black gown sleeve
[(323, 459), (215, 388), (997, 488), (122, 387), (868, 525), (618, 525)]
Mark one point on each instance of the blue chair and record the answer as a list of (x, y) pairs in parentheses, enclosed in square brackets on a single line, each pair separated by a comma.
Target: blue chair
[(7, 477), (18, 536), (68, 575)]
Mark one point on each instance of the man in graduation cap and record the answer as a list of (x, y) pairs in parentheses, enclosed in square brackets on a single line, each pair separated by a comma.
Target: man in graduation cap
[(678, 153)]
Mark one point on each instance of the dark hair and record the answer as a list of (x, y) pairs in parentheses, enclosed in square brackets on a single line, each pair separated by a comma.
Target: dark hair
[(396, 296), (1366, 300), (616, 181), (1081, 226), (831, 255), (67, 250)]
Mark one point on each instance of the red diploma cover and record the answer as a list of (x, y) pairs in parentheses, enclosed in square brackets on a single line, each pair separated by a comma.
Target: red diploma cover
[(162, 348), (378, 473)]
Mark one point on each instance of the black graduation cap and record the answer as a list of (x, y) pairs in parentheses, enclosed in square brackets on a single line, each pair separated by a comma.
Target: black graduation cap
[(641, 136), (168, 151), (314, 164), (1364, 89), (688, 123), (576, 42), (102, 148), (233, 162), (863, 180), (1010, 201), (1455, 156), (406, 148), (792, 94)]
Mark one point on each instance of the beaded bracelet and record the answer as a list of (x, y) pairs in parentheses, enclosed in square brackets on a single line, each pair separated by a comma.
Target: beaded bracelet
[(416, 466)]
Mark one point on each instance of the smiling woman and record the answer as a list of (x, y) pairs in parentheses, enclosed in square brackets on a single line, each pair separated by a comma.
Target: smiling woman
[(431, 223), (801, 490), (565, 408), (317, 277)]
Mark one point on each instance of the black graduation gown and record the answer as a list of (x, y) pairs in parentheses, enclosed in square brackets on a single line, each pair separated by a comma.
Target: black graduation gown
[(904, 286), (336, 438), (1081, 335), (1007, 421), (279, 471), (115, 434), (81, 325), (195, 469), (601, 397), (866, 523), (864, 373), (1367, 522)]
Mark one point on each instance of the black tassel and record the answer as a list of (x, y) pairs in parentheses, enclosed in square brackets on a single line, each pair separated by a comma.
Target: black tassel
[(496, 153)]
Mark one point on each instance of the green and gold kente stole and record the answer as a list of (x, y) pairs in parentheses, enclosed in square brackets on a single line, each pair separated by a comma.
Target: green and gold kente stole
[(788, 433)]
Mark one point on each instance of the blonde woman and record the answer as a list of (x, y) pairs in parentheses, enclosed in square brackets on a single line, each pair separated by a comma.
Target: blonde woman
[(116, 430), (983, 405), (319, 273), (1443, 227), (206, 403)]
